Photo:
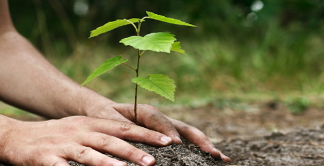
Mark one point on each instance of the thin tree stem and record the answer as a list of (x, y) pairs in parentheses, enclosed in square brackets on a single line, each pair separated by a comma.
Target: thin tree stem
[(136, 86), (137, 70)]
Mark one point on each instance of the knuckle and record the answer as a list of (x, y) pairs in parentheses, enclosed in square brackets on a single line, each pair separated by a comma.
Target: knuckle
[(83, 152), (105, 141), (149, 134), (158, 118), (131, 152), (125, 127)]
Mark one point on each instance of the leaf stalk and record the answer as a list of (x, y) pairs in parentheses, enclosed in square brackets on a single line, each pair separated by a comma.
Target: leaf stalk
[(142, 53), (133, 25), (129, 66)]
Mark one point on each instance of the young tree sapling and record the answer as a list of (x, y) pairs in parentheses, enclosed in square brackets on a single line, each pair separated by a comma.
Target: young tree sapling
[(158, 42)]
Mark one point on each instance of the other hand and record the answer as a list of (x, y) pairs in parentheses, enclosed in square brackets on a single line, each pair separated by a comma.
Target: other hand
[(77, 138)]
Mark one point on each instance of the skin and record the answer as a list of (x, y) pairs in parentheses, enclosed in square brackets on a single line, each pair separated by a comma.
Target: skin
[(84, 122)]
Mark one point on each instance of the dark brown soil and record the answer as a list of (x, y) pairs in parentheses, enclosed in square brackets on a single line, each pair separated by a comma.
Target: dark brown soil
[(301, 147), (174, 155)]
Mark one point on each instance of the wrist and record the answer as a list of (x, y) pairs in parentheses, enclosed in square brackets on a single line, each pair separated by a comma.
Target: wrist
[(90, 101), (6, 128)]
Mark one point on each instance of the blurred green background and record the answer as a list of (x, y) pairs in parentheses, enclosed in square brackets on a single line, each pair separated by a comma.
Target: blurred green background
[(241, 49)]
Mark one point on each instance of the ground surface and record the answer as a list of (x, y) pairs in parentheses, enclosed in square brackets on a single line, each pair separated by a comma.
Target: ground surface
[(250, 134), (299, 148), (246, 120)]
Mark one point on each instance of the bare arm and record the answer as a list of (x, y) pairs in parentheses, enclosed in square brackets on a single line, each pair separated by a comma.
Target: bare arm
[(6, 24), (30, 82)]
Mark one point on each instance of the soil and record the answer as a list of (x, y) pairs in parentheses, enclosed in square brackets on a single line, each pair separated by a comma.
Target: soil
[(250, 134), (174, 155), (299, 148)]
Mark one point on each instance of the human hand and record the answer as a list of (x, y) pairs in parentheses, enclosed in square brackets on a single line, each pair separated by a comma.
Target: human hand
[(77, 138), (149, 117)]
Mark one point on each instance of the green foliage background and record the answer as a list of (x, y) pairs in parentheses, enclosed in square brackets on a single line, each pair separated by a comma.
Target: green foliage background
[(276, 52)]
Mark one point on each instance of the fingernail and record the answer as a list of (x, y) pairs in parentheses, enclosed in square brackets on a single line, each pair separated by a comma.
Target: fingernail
[(148, 160), (219, 153), (165, 139), (222, 156), (178, 138)]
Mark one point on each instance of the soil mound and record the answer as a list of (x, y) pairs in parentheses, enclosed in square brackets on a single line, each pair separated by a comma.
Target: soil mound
[(186, 154)]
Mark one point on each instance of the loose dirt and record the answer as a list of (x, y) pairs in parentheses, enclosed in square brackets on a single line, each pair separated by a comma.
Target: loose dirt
[(299, 148)]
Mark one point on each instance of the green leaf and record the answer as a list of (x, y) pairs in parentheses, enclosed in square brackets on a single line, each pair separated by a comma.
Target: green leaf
[(168, 20), (158, 83), (159, 42), (177, 48), (112, 25), (107, 65)]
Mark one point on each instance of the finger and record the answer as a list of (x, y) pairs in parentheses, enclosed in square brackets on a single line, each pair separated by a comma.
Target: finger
[(151, 118), (118, 148), (198, 138), (88, 156), (129, 131)]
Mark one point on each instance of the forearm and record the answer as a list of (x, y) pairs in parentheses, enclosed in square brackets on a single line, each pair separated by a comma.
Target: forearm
[(29, 81)]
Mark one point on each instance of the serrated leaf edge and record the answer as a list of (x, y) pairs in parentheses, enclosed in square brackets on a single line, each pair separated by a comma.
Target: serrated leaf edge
[(169, 97), (181, 52)]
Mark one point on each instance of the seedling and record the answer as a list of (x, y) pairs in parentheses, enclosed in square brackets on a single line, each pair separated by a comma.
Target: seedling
[(158, 42)]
